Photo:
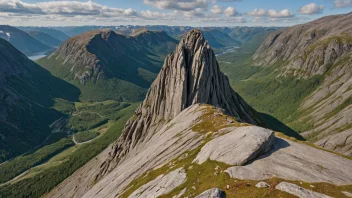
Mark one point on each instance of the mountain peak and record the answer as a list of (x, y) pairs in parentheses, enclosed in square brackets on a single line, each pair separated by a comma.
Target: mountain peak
[(191, 75)]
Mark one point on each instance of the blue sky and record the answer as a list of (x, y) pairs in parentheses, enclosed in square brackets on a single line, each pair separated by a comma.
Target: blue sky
[(168, 12)]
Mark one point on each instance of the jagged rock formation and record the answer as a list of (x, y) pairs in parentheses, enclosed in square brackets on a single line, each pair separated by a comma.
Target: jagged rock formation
[(320, 49), (190, 75), (26, 97), (110, 65)]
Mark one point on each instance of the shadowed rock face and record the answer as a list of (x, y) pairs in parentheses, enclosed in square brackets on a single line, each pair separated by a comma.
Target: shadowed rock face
[(190, 75)]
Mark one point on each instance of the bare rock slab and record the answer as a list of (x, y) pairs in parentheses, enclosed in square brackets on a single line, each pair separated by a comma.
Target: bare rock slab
[(298, 162), (299, 191), (212, 193), (161, 185), (348, 194), (237, 147)]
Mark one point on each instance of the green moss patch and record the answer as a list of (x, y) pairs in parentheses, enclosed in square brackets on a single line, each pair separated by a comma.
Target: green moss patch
[(214, 119)]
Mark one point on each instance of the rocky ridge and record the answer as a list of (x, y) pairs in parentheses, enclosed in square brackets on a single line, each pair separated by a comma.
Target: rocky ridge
[(190, 75), (320, 49)]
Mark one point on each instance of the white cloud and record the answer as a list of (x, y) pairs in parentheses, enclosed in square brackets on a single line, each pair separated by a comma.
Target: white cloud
[(230, 11), (280, 14), (342, 3), (258, 12), (311, 8), (271, 13), (64, 8), (184, 5), (198, 12), (216, 9)]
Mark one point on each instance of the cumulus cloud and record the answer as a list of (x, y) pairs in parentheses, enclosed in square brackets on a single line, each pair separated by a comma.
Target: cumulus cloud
[(230, 11), (342, 3), (311, 8), (62, 8), (258, 12), (280, 14), (184, 5), (271, 13), (216, 9), (198, 12)]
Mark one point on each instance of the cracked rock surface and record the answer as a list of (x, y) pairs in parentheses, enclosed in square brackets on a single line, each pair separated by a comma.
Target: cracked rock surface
[(296, 161), (299, 191), (238, 146), (161, 185)]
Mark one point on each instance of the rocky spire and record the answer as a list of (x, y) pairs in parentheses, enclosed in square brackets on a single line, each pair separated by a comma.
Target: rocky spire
[(189, 76)]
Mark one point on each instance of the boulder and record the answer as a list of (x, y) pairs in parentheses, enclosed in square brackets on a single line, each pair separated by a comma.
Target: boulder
[(298, 191), (237, 147), (262, 185)]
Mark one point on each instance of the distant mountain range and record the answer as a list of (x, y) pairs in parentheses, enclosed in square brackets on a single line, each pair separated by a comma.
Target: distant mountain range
[(107, 65), (47, 30), (22, 40), (218, 37), (45, 38)]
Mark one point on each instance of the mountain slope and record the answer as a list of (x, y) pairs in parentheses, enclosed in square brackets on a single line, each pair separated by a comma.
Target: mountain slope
[(45, 38), (22, 41), (175, 145), (302, 75), (47, 30), (245, 34), (106, 65), (27, 93)]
